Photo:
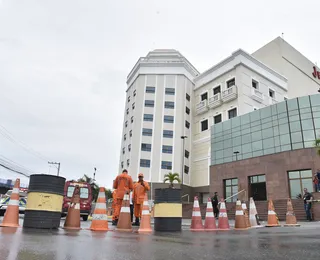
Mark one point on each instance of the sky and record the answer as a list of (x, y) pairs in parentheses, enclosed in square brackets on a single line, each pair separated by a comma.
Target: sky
[(63, 67)]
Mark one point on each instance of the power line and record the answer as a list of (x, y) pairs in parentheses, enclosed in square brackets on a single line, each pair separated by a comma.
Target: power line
[(10, 169), (9, 161)]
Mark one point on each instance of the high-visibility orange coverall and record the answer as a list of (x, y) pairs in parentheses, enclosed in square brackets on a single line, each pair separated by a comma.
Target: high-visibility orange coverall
[(114, 197), (139, 192), (123, 183)]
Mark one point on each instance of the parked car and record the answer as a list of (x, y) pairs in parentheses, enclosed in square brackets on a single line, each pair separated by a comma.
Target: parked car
[(5, 200)]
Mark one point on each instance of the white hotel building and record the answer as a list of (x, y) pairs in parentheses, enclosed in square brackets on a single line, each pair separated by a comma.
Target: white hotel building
[(168, 98)]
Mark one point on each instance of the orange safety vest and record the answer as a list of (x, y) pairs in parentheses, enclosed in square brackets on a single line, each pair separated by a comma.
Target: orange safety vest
[(139, 192), (123, 183)]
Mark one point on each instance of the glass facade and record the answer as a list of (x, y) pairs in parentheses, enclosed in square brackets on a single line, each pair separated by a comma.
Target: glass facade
[(289, 125)]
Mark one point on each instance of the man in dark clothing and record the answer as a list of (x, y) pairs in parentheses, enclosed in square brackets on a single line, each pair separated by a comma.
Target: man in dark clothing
[(215, 203), (318, 175), (307, 197)]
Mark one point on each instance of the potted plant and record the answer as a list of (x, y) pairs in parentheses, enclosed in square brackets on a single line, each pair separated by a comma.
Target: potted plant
[(171, 178)]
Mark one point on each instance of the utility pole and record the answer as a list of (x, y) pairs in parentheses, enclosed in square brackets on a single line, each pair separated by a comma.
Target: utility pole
[(57, 163)]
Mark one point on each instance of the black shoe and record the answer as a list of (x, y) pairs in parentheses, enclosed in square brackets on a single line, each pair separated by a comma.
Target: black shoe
[(114, 222)]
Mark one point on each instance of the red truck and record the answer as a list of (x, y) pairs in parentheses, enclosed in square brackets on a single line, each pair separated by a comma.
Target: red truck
[(85, 198)]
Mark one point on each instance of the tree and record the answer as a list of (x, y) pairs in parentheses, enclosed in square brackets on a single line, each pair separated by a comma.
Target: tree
[(171, 178), (317, 145), (108, 194), (94, 186)]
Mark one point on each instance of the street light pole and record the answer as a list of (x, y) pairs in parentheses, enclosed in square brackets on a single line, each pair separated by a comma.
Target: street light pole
[(58, 166), (183, 152), (236, 153), (94, 174)]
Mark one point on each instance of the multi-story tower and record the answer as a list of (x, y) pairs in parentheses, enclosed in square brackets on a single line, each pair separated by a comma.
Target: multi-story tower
[(157, 114)]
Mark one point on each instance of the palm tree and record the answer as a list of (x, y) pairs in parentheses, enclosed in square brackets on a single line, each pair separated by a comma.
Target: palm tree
[(171, 178), (317, 145), (94, 186)]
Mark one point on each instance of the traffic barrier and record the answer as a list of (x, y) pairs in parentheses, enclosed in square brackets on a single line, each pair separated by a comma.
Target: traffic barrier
[(196, 221), (44, 203), (254, 218), (99, 216), (210, 221), (223, 222), (291, 220), (240, 220), (145, 225), (11, 217), (246, 214), (167, 210), (273, 220), (124, 223), (73, 218)]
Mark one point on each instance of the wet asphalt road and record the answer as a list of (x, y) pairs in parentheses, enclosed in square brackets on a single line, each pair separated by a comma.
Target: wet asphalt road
[(264, 243)]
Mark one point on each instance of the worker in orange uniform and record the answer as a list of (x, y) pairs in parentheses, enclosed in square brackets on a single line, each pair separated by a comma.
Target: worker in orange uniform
[(124, 184), (139, 190), (114, 200)]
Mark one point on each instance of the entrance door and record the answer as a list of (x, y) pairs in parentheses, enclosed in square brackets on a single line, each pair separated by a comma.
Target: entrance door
[(257, 187)]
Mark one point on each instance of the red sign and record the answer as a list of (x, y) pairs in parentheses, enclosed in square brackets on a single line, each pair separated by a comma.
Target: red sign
[(316, 73)]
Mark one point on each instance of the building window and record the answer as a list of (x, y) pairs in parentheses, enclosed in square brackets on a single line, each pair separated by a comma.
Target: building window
[(271, 93), (148, 117), (168, 119), (230, 189), (167, 133), (123, 150), (204, 96), (255, 84), (298, 180), (187, 96), (129, 147), (217, 119), (186, 154), (134, 92), (188, 110), (125, 137), (144, 163), (186, 169), (170, 91), (133, 106), (231, 83), (127, 111), (217, 90), (149, 103), (146, 131), (204, 125), (146, 147), (128, 162), (150, 90), (122, 164), (169, 104), (167, 149), (232, 113), (129, 99), (187, 124), (130, 133), (132, 119), (166, 165), (126, 124)]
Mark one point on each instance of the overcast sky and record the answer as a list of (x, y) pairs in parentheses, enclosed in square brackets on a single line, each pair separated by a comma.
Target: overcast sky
[(63, 66)]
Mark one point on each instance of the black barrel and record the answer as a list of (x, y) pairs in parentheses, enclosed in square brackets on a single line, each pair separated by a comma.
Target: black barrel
[(167, 210), (44, 201)]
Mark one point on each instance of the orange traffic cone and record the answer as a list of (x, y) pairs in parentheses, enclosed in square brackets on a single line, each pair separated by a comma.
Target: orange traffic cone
[(240, 222), (210, 222), (145, 225), (246, 215), (124, 223), (73, 218), (254, 218), (291, 220), (223, 222), (11, 217), (99, 216), (273, 220), (196, 221)]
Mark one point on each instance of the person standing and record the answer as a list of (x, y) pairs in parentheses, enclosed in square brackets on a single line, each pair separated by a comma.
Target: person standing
[(316, 182), (131, 206), (124, 184), (114, 201), (318, 176), (307, 198), (215, 202), (139, 190)]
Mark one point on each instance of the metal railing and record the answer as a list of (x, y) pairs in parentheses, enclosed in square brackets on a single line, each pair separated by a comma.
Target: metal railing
[(185, 195), (235, 195)]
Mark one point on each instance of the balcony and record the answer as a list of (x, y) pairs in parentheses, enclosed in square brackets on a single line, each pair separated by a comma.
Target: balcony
[(230, 94), (202, 107), (257, 95), (215, 101)]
